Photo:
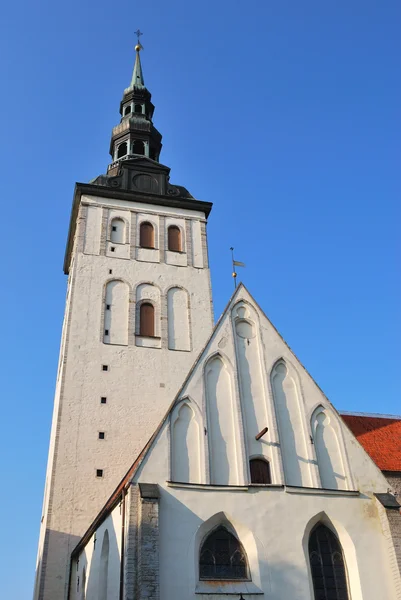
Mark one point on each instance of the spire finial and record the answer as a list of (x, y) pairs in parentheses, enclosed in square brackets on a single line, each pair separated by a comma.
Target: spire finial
[(138, 46), (137, 75)]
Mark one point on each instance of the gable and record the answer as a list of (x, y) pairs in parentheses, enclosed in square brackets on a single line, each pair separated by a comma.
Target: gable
[(245, 381)]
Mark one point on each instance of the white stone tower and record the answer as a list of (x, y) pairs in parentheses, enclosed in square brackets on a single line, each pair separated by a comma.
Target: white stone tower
[(138, 311)]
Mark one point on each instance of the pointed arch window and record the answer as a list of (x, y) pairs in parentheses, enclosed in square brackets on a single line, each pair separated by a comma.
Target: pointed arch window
[(222, 557), (146, 235), (260, 471), (147, 319), (174, 238), (329, 573)]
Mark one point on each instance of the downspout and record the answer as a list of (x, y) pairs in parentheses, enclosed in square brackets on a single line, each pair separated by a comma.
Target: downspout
[(121, 597)]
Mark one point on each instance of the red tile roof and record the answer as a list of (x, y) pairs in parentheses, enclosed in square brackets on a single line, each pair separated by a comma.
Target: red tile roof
[(380, 436)]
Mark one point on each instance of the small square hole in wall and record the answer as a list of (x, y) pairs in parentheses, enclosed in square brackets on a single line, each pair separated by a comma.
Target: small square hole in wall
[(106, 332), (103, 400), (108, 306), (99, 472), (112, 248), (110, 271), (101, 435), (105, 367), (114, 228)]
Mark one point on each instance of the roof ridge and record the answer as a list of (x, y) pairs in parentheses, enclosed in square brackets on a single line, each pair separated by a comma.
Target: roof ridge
[(375, 415)]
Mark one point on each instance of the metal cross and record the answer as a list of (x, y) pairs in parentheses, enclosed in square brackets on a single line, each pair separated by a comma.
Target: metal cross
[(138, 33)]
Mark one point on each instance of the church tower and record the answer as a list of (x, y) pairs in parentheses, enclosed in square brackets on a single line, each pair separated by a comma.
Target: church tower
[(138, 311)]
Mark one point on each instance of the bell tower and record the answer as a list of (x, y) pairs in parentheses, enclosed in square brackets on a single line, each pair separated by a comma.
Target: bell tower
[(138, 311)]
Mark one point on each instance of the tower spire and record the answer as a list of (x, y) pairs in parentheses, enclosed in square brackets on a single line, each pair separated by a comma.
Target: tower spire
[(137, 75)]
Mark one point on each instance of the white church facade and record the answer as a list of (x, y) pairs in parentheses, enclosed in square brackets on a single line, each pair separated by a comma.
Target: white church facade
[(189, 461)]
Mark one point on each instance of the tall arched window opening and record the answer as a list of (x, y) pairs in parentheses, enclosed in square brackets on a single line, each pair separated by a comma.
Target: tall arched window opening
[(104, 567), (174, 238), (138, 147), (127, 110), (146, 235), (147, 319), (122, 150), (260, 471), (117, 233), (222, 557), (327, 564)]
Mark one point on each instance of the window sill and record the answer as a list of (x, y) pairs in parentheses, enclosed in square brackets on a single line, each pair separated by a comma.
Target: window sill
[(233, 588)]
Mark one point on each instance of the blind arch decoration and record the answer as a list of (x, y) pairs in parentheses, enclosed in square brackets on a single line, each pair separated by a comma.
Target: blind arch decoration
[(222, 557), (329, 572), (146, 235), (147, 319), (260, 471), (174, 238)]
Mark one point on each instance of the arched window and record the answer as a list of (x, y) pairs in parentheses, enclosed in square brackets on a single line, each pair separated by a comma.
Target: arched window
[(146, 235), (174, 238), (260, 471), (147, 319), (127, 110), (327, 564), (138, 147), (117, 233), (222, 557), (138, 108), (122, 150)]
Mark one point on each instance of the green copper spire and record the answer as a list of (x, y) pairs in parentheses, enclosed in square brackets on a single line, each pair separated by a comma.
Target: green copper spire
[(137, 75)]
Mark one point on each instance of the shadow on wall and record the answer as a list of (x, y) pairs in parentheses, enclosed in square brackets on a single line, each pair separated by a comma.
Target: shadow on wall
[(99, 567), (57, 549)]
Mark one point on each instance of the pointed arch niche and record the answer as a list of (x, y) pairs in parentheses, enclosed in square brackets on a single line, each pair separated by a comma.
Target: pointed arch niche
[(250, 373), (104, 568), (178, 319), (222, 423), (329, 451), (116, 313), (289, 413), (185, 444)]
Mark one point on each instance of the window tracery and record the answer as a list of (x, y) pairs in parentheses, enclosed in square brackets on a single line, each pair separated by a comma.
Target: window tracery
[(222, 557)]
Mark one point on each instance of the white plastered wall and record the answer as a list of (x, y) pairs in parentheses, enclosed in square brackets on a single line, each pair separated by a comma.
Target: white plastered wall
[(138, 384), (272, 522)]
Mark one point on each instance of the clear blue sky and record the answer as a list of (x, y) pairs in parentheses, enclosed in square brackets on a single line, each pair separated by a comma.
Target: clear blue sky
[(284, 113)]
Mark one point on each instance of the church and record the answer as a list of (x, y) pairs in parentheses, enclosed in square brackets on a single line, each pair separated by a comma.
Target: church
[(190, 460)]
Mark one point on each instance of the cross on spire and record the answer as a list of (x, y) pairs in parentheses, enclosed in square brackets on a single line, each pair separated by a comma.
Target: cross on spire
[(138, 34)]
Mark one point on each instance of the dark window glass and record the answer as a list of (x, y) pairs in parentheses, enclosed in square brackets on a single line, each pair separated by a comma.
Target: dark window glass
[(103, 400), (99, 472), (147, 319), (260, 471), (122, 150), (146, 235), (327, 565), (105, 368), (138, 147), (222, 557), (174, 238), (101, 435)]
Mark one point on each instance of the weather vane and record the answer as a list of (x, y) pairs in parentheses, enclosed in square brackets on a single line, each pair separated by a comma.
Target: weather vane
[(236, 263)]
